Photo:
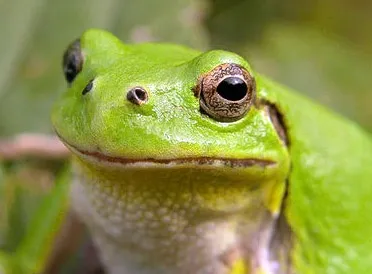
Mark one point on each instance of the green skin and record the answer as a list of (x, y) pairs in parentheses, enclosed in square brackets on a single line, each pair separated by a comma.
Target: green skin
[(235, 180)]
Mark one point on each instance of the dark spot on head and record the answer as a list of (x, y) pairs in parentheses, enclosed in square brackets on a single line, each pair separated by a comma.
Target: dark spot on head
[(276, 118)]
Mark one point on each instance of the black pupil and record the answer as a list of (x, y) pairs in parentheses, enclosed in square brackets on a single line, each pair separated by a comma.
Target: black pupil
[(232, 89), (71, 70)]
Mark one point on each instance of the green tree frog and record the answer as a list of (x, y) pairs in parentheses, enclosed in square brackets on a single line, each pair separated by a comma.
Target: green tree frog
[(189, 162)]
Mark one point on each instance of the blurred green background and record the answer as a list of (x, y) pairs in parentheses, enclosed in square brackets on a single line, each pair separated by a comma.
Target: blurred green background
[(321, 48)]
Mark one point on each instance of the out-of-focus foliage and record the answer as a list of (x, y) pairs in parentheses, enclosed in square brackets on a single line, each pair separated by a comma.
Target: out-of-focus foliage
[(321, 48)]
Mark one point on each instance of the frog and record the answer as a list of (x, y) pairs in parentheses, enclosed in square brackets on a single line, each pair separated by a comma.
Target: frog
[(160, 117), (192, 162)]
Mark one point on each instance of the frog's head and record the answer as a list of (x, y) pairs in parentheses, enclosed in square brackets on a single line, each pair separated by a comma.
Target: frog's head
[(166, 106)]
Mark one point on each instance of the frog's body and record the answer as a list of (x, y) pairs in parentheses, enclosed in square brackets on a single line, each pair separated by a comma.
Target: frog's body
[(174, 175), (171, 226)]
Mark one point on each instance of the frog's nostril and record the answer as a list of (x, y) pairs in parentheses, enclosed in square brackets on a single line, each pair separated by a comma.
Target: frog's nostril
[(88, 87), (137, 95), (232, 89)]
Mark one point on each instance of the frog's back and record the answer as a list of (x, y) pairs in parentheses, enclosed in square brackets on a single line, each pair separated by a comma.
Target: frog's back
[(329, 204)]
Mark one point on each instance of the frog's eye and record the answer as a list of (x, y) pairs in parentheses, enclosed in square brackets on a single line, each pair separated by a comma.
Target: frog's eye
[(227, 92), (72, 61)]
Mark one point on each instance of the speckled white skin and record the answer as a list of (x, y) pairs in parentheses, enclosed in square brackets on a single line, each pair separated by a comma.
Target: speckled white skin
[(145, 228)]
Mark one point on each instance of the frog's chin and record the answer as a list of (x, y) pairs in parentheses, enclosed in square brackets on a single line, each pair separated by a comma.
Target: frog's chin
[(104, 159)]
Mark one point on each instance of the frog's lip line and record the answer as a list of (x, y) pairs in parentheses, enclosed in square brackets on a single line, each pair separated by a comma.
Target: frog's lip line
[(208, 161), (194, 161), (211, 161)]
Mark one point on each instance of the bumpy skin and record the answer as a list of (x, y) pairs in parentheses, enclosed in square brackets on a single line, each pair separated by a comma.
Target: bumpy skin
[(166, 188)]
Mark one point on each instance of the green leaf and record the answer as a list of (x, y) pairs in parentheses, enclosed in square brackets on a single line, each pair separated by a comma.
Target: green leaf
[(38, 241)]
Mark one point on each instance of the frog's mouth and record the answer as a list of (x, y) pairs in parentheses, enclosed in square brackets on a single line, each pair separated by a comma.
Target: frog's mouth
[(97, 156), (212, 161)]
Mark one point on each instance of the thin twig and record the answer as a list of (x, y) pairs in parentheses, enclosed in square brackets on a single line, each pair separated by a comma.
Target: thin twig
[(33, 145)]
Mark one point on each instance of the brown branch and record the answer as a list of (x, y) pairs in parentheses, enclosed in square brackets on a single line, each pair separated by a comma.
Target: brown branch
[(33, 145)]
